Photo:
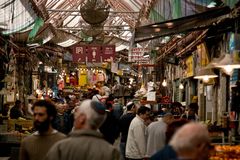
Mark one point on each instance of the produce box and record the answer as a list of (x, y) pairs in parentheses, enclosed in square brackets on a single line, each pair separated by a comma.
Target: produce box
[(226, 152), (14, 124)]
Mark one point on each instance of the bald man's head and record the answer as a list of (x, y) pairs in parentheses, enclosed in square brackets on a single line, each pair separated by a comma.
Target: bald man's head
[(190, 140)]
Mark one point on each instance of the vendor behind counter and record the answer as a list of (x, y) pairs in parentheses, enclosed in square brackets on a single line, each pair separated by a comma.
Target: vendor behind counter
[(17, 110)]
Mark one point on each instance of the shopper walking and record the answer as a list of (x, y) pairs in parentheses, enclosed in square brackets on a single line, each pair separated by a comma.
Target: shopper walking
[(136, 140), (189, 142), (36, 146), (124, 123), (85, 142), (156, 134)]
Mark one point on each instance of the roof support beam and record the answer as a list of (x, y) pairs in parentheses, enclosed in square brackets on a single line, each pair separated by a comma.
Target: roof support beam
[(77, 10)]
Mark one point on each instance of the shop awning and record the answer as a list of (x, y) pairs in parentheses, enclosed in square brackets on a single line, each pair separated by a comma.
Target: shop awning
[(16, 15), (182, 25)]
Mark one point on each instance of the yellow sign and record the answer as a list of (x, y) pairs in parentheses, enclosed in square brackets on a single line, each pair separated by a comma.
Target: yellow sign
[(189, 63), (202, 53), (82, 78)]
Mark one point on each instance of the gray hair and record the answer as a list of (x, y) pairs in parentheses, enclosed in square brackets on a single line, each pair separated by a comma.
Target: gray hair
[(189, 137), (94, 119)]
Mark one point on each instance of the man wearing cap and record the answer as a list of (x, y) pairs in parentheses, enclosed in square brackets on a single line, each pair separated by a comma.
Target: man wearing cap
[(85, 142)]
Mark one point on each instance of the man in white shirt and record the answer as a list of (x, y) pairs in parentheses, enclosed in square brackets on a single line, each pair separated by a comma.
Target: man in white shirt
[(136, 140), (156, 134)]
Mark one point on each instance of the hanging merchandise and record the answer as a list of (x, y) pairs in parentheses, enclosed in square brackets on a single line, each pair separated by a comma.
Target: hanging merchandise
[(83, 79), (60, 83), (73, 80)]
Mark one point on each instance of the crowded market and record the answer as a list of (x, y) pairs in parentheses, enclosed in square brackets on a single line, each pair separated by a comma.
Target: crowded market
[(119, 79)]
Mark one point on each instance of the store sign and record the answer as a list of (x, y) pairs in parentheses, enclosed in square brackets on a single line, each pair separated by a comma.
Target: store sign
[(136, 55), (93, 53), (79, 54), (108, 53), (190, 66)]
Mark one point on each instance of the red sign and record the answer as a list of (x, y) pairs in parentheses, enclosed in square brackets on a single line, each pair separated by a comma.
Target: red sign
[(79, 54), (93, 53), (108, 53)]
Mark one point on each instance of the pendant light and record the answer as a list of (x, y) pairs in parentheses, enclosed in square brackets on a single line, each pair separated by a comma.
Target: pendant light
[(228, 64), (205, 74)]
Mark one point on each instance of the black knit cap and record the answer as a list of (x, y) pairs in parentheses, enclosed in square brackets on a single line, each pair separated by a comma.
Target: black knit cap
[(98, 107)]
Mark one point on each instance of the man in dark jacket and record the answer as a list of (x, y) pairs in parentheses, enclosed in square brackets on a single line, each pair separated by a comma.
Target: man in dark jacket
[(16, 111), (124, 124)]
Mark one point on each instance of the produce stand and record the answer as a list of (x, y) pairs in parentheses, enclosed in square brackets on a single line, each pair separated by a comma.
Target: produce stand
[(12, 132), (225, 152)]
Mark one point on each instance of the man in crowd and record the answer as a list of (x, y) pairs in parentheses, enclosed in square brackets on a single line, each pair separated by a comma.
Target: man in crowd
[(156, 134), (124, 124), (36, 146), (17, 110), (136, 140), (85, 142), (189, 142)]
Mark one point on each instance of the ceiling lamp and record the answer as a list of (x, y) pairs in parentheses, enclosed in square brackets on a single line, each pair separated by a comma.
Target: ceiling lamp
[(228, 64), (205, 74)]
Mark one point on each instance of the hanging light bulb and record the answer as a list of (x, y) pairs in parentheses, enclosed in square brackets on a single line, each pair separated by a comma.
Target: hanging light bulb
[(205, 79), (164, 83), (181, 86)]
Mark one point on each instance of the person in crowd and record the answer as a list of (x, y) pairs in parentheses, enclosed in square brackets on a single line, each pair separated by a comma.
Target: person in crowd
[(176, 109), (96, 97), (29, 107), (85, 142), (127, 91), (191, 114), (136, 140), (173, 127), (124, 123), (118, 91), (117, 109), (156, 136), (110, 127), (189, 142), (17, 110), (106, 89), (62, 120), (36, 146)]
